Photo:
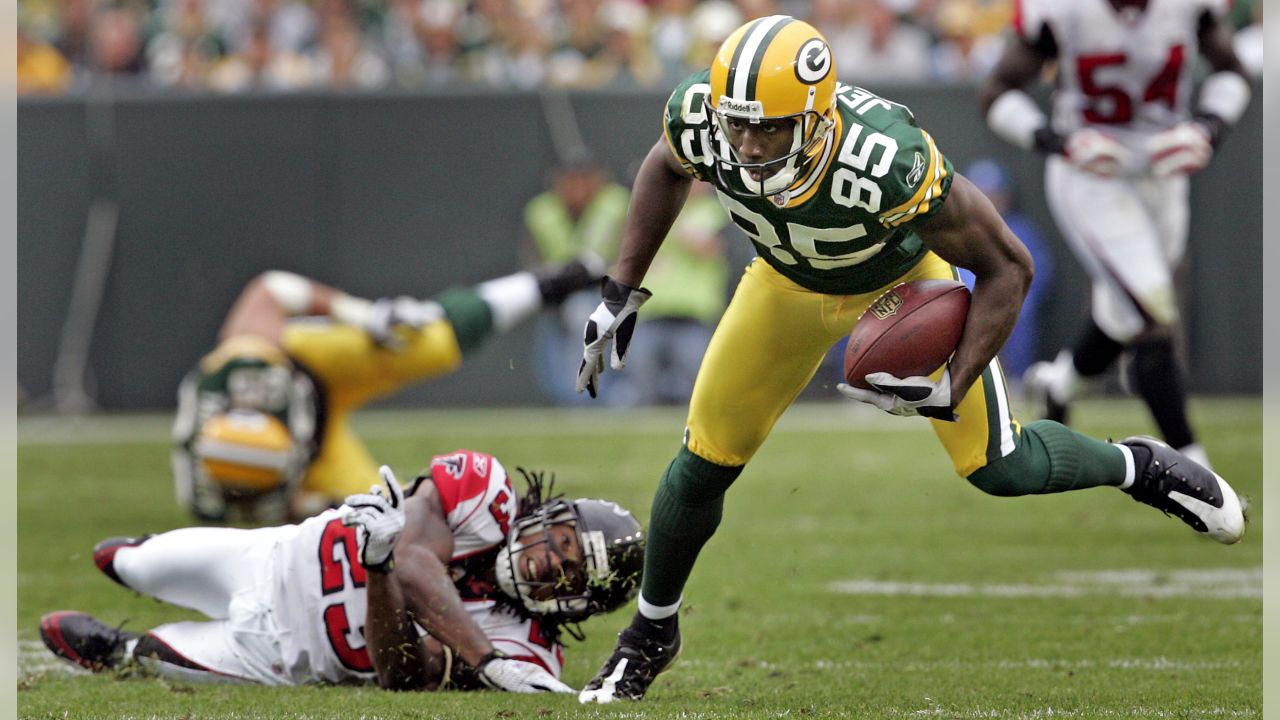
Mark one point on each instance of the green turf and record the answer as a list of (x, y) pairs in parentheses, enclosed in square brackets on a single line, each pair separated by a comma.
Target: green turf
[(1084, 605)]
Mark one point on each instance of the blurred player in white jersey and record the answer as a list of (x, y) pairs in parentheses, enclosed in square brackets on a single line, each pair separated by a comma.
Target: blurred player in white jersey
[(1123, 139), (458, 583)]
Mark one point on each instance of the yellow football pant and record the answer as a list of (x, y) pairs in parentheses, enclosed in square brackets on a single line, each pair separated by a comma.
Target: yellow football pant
[(769, 345), (352, 371)]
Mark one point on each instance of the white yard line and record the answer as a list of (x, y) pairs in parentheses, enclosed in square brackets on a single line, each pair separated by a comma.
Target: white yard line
[(1158, 663), (35, 659), (1052, 712), (1222, 584)]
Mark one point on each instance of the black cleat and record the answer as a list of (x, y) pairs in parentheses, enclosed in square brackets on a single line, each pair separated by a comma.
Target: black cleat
[(1178, 486), (81, 639), (104, 554), (629, 671), (559, 282)]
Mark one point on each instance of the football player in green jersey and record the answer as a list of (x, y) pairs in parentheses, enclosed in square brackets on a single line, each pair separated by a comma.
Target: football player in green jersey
[(263, 432), (843, 196)]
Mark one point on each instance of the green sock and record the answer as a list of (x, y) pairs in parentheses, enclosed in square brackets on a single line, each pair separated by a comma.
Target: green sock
[(469, 314), (1051, 458), (686, 512), (1077, 461)]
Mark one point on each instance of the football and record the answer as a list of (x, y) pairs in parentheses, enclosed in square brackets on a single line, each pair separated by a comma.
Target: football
[(910, 330)]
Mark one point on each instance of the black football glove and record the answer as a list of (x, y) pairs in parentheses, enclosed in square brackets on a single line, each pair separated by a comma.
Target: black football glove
[(614, 319)]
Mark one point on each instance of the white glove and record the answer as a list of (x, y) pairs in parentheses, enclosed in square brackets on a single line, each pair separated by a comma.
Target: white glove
[(906, 397), (517, 676), (614, 319), (1180, 150), (1097, 153), (387, 315), (379, 519)]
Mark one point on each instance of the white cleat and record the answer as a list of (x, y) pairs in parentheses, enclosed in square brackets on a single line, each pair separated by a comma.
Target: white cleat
[(627, 674), (1181, 487)]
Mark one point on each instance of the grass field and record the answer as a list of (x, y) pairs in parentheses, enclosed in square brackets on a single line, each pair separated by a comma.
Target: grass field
[(854, 576)]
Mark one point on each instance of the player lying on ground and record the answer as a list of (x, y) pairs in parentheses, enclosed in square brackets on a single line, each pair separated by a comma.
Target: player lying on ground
[(458, 584), (262, 432), (844, 197)]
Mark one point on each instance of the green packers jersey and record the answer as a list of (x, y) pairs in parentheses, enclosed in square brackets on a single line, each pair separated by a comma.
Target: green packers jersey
[(844, 229)]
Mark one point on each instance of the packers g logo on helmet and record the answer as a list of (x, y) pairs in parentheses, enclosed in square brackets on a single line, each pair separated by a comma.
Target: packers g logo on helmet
[(813, 62), (772, 68), (246, 451)]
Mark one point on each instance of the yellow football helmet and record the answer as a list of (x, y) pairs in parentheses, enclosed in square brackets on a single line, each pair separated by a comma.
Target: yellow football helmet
[(247, 452), (774, 67)]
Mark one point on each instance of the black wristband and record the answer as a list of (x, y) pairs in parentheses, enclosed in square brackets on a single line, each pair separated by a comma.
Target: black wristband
[(1214, 125), (614, 294), (1049, 142), (384, 567), (492, 655)]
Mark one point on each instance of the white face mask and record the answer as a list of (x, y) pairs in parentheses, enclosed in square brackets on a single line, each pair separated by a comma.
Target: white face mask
[(791, 164)]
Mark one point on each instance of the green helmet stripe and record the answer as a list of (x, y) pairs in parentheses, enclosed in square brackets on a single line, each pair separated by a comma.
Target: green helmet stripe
[(759, 58)]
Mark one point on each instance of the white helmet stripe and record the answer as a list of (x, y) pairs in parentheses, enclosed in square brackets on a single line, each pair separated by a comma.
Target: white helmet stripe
[(751, 46), (231, 452)]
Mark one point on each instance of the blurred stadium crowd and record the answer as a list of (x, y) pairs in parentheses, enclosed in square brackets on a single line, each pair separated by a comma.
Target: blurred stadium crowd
[(290, 45)]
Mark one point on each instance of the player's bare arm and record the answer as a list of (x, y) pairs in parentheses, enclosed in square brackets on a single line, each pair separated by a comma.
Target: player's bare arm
[(1005, 105), (1017, 68), (419, 590), (400, 659), (1216, 47), (257, 311), (657, 197), (270, 299), (969, 232)]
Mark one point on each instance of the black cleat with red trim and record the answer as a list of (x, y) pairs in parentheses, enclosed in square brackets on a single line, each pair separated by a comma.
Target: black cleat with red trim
[(104, 554), (81, 639)]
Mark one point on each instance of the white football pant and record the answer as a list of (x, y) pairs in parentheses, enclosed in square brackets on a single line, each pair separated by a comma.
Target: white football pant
[(226, 574), (1129, 233)]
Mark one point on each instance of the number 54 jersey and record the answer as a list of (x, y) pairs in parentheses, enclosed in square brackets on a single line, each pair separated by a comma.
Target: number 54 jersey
[(1126, 72), (845, 228), (319, 585)]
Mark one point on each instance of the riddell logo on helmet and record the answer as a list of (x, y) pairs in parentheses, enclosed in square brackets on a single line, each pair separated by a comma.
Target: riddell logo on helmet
[(886, 305), (749, 108)]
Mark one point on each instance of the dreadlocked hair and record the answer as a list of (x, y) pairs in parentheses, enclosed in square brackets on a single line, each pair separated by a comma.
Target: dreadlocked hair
[(540, 490)]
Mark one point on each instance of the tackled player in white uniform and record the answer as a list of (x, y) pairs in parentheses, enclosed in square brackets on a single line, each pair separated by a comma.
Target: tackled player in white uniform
[(300, 604)]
